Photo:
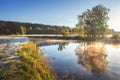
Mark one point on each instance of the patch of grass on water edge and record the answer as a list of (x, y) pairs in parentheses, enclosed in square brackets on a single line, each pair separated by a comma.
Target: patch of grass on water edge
[(30, 66)]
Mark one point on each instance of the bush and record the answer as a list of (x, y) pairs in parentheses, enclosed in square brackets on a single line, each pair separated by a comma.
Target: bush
[(116, 37)]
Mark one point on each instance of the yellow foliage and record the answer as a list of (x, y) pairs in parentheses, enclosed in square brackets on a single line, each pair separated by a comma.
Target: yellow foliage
[(30, 65), (31, 46)]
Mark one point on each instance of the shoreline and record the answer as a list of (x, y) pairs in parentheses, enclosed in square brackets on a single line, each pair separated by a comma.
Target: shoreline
[(51, 39), (44, 36)]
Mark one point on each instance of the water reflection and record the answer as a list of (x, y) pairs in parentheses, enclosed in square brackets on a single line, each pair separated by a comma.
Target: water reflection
[(62, 46), (116, 45), (92, 56), (84, 61)]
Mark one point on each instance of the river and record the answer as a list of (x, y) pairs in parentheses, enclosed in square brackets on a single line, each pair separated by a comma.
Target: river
[(83, 60), (76, 60)]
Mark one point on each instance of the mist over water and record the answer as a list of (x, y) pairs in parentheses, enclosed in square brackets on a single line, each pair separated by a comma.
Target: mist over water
[(85, 60)]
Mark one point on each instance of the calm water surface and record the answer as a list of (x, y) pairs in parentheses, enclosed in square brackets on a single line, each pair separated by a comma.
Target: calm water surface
[(64, 59)]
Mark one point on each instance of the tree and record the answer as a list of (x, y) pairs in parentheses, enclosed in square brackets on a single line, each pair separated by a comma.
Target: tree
[(78, 31), (94, 21), (11, 27), (65, 31), (22, 30)]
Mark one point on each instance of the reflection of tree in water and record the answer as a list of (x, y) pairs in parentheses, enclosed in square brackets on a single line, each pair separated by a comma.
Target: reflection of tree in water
[(115, 44), (93, 57), (62, 46)]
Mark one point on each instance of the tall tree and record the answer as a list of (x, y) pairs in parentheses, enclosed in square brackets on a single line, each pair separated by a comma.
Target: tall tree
[(94, 21)]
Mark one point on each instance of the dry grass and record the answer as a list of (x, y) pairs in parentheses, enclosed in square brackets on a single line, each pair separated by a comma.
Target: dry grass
[(30, 66)]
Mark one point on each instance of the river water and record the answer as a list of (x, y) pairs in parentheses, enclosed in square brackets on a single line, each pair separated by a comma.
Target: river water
[(84, 61)]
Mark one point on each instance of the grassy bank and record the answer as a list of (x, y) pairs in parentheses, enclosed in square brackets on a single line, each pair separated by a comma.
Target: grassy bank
[(29, 65)]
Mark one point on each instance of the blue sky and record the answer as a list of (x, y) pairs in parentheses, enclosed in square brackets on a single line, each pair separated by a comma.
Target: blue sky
[(55, 12)]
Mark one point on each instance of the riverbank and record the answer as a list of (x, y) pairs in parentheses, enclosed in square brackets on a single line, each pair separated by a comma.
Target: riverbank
[(40, 42), (29, 65), (41, 39), (52, 39), (49, 39), (45, 36)]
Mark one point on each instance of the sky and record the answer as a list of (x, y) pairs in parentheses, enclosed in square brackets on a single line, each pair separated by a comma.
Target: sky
[(55, 12)]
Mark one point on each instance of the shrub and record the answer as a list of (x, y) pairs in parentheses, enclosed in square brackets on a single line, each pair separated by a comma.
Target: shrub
[(116, 37)]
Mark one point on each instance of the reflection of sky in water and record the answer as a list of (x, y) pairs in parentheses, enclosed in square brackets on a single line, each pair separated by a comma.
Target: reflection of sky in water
[(11, 46), (66, 61), (113, 62), (19, 39)]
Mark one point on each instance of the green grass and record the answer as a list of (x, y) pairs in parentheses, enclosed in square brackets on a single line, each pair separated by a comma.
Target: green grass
[(30, 66), (4, 55)]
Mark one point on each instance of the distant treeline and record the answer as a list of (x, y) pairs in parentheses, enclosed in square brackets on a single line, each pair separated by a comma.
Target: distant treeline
[(11, 27)]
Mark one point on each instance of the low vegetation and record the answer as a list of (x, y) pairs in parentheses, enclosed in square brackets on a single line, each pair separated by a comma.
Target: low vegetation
[(29, 66), (4, 55), (116, 37)]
